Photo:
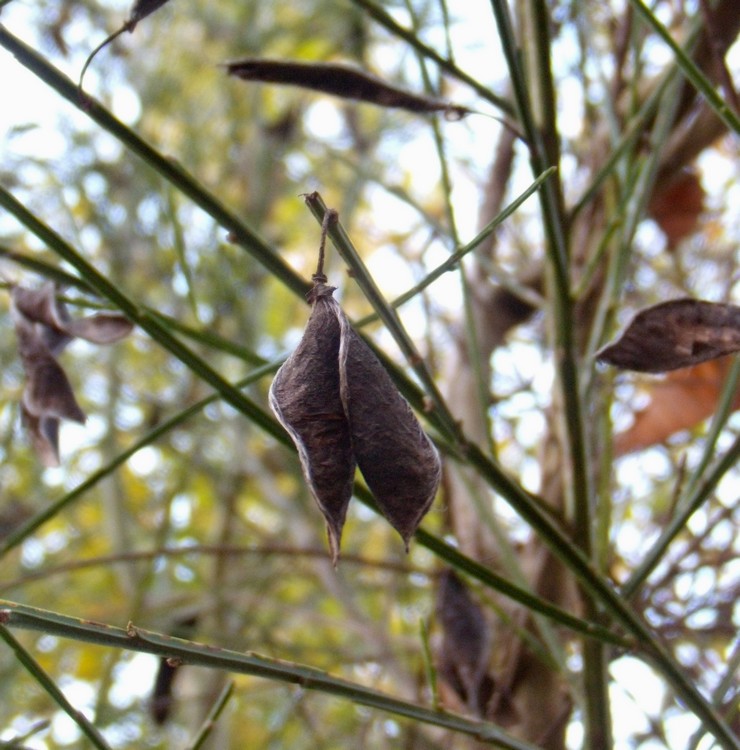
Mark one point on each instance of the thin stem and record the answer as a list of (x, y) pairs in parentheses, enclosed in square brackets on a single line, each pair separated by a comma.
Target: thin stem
[(210, 721), (148, 322), (330, 217), (38, 673), (309, 678), (107, 40), (177, 175), (690, 70), (18, 535), (692, 503)]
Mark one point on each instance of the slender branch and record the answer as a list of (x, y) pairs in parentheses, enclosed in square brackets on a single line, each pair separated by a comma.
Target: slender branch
[(408, 36), (43, 679), (210, 721), (144, 641), (690, 70), (173, 172), (679, 521)]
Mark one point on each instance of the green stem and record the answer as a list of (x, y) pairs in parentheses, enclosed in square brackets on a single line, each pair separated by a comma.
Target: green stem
[(43, 679), (679, 521), (385, 20), (239, 232), (308, 678), (213, 715), (18, 535), (140, 316), (690, 69)]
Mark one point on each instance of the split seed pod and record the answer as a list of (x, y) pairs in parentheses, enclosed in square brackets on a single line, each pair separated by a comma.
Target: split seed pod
[(43, 328), (342, 409)]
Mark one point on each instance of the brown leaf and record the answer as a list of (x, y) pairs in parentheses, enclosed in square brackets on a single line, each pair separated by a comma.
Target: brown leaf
[(466, 642), (680, 401), (305, 398), (675, 334), (677, 206), (339, 80)]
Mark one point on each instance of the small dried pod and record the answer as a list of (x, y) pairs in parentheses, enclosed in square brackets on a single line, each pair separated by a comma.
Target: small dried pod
[(674, 334), (337, 79), (43, 328), (466, 642), (396, 457), (48, 391), (305, 398)]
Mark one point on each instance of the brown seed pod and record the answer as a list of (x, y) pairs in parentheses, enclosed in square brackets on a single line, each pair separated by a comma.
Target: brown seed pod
[(397, 459), (674, 334), (466, 642), (341, 408), (43, 328), (305, 398), (339, 80)]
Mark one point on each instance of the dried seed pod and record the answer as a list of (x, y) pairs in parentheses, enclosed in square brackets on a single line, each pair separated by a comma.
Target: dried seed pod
[(305, 398), (42, 306), (342, 409), (466, 642), (340, 80), (397, 459), (674, 334), (43, 328), (141, 9), (48, 391)]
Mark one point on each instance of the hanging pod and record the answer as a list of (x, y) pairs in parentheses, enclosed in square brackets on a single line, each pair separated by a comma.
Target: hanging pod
[(342, 410), (306, 400)]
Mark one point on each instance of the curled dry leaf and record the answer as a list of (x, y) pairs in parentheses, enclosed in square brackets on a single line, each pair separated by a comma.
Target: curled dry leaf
[(466, 643), (340, 80), (341, 408), (43, 329), (674, 334)]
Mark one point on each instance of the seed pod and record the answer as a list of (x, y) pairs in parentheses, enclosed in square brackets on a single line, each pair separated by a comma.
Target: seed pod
[(341, 408), (305, 398), (48, 391), (674, 334), (43, 328), (397, 459), (340, 80), (466, 642)]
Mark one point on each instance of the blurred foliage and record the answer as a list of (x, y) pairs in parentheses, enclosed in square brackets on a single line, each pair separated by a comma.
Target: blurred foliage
[(212, 521)]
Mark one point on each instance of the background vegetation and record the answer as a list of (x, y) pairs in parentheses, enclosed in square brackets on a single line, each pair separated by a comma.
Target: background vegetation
[(592, 515)]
